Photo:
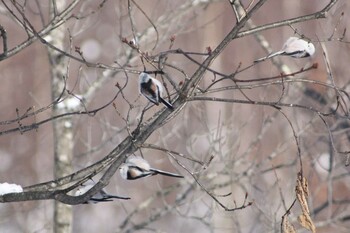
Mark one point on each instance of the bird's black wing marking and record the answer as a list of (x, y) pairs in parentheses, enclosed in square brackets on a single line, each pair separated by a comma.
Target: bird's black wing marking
[(143, 173), (303, 53), (149, 93)]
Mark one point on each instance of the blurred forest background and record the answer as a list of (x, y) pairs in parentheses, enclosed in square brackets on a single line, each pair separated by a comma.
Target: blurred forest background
[(239, 140)]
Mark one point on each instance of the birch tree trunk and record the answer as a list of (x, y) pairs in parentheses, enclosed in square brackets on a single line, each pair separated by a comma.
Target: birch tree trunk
[(62, 127)]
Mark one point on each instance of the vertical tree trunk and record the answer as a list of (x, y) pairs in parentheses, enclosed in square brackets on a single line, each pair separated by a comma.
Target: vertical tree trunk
[(62, 128)]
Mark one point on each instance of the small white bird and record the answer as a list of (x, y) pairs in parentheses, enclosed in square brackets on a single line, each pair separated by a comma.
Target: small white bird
[(152, 89), (294, 47), (136, 167), (101, 196)]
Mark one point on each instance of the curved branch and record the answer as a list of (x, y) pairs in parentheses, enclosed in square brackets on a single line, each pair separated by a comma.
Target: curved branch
[(320, 14)]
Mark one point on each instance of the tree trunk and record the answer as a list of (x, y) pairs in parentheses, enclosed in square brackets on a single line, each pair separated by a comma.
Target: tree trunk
[(62, 128)]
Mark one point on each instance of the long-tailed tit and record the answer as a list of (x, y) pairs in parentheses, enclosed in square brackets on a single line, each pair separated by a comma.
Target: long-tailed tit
[(101, 196), (294, 47), (136, 167), (152, 89)]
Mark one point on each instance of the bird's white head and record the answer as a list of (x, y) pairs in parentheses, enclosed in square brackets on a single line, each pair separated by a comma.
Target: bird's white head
[(123, 169), (144, 78), (310, 49)]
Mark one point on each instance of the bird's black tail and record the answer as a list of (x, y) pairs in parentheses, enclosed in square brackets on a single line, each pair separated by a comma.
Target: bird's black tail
[(166, 103), (166, 173), (269, 56), (108, 197)]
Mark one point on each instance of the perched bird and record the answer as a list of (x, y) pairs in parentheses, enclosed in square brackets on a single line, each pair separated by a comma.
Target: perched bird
[(136, 167), (152, 89), (101, 196), (294, 47)]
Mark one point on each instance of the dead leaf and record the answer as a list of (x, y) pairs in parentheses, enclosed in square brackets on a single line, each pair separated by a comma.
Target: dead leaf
[(306, 222), (302, 192), (287, 227)]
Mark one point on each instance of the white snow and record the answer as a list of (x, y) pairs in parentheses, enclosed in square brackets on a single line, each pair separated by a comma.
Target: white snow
[(10, 188)]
